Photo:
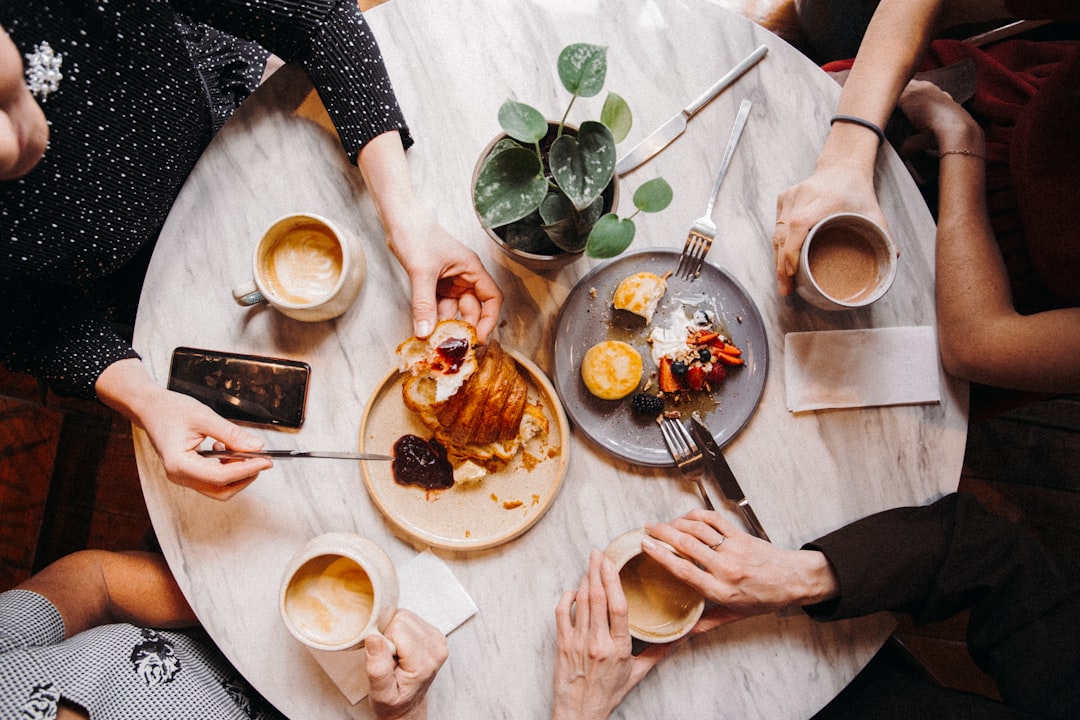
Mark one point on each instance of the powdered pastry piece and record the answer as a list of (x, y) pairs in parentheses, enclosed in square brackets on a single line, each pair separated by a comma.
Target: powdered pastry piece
[(640, 294)]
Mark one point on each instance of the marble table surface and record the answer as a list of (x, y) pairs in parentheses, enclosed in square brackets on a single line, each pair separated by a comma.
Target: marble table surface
[(453, 64)]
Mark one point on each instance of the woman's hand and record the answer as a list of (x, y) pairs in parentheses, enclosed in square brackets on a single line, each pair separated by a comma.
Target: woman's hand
[(835, 186), (743, 574), (399, 685), (177, 426), (594, 667), (934, 112), (447, 278)]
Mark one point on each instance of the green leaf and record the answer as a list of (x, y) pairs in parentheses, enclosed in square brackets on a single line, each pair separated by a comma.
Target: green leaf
[(583, 166), (610, 236), (509, 186), (653, 196), (616, 115), (528, 236), (564, 235), (582, 68), (568, 228), (555, 207), (522, 122)]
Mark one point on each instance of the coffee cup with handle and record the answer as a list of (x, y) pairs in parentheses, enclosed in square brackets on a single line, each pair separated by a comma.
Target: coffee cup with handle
[(337, 590), (847, 261), (306, 267)]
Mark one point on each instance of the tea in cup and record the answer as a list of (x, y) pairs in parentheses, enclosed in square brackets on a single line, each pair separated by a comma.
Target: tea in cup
[(337, 590), (661, 607), (306, 267), (847, 261)]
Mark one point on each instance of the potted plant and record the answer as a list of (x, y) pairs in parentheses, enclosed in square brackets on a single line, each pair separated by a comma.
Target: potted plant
[(545, 191)]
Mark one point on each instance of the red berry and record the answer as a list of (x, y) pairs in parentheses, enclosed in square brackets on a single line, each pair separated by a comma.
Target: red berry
[(695, 377), (716, 374)]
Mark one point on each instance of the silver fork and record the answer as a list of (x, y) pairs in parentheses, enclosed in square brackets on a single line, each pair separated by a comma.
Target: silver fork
[(703, 231), (686, 454)]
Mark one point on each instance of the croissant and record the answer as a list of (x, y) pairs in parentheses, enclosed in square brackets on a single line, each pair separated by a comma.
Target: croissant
[(490, 404), (478, 412)]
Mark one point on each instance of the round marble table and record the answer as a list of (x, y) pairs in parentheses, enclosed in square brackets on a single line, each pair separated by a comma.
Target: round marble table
[(453, 64)]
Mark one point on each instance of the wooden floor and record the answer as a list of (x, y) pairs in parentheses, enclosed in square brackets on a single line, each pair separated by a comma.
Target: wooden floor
[(68, 478)]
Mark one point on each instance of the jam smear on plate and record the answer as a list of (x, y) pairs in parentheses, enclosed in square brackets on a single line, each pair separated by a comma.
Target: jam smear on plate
[(421, 462)]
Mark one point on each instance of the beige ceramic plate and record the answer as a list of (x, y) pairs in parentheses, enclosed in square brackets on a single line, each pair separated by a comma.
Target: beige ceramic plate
[(475, 515)]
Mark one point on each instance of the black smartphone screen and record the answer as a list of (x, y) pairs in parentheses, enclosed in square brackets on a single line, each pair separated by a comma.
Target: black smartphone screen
[(247, 388)]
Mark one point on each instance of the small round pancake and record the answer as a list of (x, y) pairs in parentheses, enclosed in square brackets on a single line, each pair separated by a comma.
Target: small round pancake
[(611, 369), (640, 293)]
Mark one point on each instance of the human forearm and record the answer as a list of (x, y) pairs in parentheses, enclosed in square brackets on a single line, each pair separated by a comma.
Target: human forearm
[(895, 40), (981, 335), (94, 587), (447, 277)]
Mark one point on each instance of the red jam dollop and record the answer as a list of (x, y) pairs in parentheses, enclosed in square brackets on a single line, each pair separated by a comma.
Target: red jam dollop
[(452, 353), (421, 462)]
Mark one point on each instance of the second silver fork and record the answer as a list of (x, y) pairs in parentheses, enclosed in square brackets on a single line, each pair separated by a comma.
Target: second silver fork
[(686, 454), (703, 231)]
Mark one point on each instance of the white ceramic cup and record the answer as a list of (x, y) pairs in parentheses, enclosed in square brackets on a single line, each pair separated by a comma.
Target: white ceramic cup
[(305, 266), (847, 261), (661, 607), (337, 590)]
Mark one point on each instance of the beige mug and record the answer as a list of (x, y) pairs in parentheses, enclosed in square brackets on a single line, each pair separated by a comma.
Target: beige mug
[(306, 267), (847, 261), (661, 607), (337, 590)]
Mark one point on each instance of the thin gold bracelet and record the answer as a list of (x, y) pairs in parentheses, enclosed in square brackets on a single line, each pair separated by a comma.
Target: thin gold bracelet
[(968, 153)]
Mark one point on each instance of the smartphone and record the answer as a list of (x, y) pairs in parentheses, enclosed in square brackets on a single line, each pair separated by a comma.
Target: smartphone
[(246, 388)]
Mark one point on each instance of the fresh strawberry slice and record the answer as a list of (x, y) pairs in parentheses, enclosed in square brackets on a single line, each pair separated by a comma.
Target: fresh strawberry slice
[(695, 377), (667, 380), (716, 374)]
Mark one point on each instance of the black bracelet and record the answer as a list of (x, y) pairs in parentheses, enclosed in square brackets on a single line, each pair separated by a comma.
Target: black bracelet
[(859, 121)]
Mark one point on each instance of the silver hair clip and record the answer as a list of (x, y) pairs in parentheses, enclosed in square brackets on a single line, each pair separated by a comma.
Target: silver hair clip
[(43, 70)]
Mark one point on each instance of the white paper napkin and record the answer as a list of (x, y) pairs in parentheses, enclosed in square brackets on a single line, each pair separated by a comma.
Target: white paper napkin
[(861, 368), (425, 586)]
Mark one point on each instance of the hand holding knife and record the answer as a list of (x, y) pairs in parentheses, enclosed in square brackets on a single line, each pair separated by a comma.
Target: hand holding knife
[(723, 475)]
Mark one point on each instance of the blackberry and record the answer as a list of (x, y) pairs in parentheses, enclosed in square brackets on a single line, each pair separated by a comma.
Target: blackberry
[(646, 404)]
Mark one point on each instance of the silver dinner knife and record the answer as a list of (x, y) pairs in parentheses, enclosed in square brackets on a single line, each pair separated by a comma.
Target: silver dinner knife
[(673, 128), (293, 454), (721, 472)]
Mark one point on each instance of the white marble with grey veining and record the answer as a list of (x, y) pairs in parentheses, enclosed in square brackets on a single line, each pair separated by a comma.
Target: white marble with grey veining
[(453, 64)]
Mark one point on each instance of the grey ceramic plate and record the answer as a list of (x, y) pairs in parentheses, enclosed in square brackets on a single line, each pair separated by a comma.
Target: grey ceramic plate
[(588, 317)]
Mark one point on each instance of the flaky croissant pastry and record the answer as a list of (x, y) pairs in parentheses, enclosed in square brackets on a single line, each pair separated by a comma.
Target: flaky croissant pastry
[(477, 402)]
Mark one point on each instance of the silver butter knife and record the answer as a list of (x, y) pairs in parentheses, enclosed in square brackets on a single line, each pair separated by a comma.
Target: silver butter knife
[(721, 472), (293, 454), (673, 128)]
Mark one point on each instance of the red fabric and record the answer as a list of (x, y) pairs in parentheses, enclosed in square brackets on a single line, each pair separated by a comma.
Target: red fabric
[(1044, 273)]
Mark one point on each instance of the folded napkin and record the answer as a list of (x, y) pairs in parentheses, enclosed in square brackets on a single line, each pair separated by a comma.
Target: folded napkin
[(425, 586), (861, 368)]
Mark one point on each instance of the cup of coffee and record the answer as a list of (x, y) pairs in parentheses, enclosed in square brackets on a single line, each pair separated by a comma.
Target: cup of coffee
[(847, 261), (661, 607), (337, 590), (306, 267)]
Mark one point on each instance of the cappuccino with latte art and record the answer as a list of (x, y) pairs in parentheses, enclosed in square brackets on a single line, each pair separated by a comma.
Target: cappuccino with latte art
[(306, 267), (303, 265)]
